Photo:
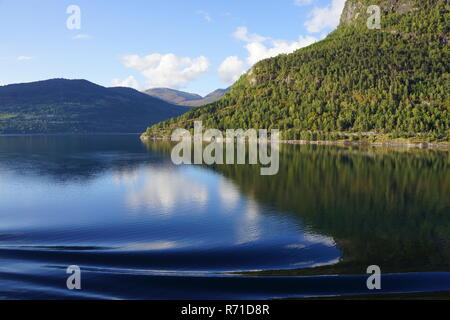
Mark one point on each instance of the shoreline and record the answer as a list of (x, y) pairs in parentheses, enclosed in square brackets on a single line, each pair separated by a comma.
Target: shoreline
[(391, 144), (67, 134), (387, 144)]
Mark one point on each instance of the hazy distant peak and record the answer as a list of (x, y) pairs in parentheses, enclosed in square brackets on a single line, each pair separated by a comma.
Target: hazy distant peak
[(185, 98)]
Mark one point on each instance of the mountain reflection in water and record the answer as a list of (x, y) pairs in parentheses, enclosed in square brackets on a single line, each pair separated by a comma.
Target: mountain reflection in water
[(131, 219)]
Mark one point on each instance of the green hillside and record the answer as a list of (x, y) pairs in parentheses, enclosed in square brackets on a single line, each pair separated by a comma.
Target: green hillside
[(393, 82), (78, 106)]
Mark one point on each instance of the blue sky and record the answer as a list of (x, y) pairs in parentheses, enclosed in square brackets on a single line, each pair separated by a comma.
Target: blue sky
[(196, 45)]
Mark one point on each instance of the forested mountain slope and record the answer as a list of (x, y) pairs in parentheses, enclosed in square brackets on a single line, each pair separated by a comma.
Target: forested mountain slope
[(392, 81), (78, 106)]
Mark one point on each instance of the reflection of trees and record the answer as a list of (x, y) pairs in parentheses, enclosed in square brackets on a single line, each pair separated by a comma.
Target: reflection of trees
[(384, 207)]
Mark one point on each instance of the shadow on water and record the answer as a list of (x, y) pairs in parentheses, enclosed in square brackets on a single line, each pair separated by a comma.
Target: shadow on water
[(382, 206)]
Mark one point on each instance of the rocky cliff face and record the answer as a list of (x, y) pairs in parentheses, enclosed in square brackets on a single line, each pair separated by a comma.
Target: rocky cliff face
[(356, 10), (352, 10)]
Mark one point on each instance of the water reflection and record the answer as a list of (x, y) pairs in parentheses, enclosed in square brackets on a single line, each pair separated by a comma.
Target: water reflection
[(166, 189), (229, 194), (73, 159), (121, 209), (382, 206), (126, 197)]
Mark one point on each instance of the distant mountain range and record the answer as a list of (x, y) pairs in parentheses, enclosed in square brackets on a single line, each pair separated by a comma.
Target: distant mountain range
[(79, 106), (185, 98)]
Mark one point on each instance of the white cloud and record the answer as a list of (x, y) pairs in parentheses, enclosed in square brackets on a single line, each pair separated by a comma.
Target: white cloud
[(205, 15), (242, 34), (130, 82), (302, 2), (82, 36), (141, 63), (258, 51), (167, 70), (325, 17), (260, 47), (231, 69), (24, 58)]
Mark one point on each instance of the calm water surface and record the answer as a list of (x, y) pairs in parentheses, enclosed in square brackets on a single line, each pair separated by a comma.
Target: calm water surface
[(140, 227)]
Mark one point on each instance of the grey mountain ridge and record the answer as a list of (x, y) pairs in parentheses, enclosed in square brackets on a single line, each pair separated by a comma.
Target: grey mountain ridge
[(182, 98)]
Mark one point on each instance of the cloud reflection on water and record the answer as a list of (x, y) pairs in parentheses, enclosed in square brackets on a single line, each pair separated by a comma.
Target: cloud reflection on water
[(161, 189)]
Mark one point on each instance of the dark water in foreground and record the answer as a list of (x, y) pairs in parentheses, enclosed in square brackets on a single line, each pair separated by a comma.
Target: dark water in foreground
[(140, 227)]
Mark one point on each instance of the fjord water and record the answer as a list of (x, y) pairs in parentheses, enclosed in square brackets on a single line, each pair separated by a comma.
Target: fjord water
[(141, 228)]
